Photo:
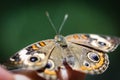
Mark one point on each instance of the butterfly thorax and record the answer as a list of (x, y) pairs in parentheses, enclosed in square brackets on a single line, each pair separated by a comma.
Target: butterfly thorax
[(59, 39)]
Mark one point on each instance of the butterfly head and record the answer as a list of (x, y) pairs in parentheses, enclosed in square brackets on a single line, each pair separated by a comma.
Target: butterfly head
[(60, 40)]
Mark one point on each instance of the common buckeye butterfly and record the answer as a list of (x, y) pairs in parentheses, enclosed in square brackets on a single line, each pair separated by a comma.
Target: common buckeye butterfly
[(86, 53)]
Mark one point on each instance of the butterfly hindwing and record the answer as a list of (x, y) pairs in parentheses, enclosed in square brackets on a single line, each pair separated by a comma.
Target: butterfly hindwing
[(89, 61)]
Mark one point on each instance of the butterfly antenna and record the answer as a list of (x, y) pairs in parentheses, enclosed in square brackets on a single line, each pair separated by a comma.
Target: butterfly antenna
[(61, 26), (51, 22)]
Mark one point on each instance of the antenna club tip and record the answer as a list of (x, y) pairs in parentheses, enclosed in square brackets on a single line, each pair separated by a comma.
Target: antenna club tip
[(66, 15), (47, 14)]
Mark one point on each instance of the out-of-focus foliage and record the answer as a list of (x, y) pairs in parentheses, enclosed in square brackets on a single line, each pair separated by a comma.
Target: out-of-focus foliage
[(25, 22)]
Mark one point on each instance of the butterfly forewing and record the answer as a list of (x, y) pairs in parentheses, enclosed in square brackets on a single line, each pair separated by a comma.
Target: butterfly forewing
[(34, 56), (93, 41)]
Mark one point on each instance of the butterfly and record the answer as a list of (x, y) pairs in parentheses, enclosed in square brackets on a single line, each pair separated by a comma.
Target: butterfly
[(86, 53)]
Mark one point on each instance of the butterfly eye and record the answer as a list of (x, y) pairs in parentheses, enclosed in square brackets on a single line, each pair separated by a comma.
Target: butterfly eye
[(50, 64), (101, 43), (93, 56)]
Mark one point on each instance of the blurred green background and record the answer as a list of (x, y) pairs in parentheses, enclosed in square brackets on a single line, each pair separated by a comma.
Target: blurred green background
[(24, 22)]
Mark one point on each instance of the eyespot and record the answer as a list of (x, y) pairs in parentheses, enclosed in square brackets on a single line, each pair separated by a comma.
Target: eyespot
[(85, 63), (93, 56), (34, 59), (50, 64), (101, 43)]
